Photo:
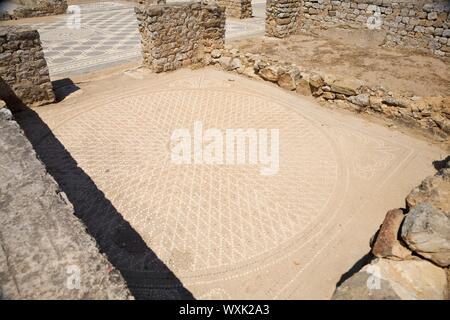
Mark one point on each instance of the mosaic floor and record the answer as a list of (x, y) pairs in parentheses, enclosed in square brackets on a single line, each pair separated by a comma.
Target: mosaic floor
[(108, 36), (227, 231)]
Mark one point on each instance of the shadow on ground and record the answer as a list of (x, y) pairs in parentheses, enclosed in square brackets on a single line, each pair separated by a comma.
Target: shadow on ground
[(146, 275), (356, 267)]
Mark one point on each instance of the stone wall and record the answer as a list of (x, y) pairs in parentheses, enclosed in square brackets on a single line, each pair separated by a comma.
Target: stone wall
[(37, 8), (237, 8), (177, 35), (422, 24), (45, 251), (23, 69), (282, 17)]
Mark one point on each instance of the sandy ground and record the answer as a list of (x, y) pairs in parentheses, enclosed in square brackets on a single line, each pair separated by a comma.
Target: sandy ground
[(358, 54), (226, 231)]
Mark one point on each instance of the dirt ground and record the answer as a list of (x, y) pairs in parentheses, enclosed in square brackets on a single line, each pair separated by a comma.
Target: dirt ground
[(358, 53)]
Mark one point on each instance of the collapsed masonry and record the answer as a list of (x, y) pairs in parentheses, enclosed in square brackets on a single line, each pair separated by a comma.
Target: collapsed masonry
[(177, 35), (24, 76)]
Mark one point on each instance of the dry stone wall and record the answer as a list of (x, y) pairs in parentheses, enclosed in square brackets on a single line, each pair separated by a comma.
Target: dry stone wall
[(417, 24), (36, 8), (177, 35), (45, 251), (23, 69), (282, 17), (237, 8)]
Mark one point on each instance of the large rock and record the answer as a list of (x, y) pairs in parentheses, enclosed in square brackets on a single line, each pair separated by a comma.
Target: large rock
[(387, 244), (426, 230), (348, 87), (386, 279), (361, 100), (289, 79)]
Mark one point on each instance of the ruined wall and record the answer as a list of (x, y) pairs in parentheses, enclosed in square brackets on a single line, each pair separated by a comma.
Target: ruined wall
[(282, 17), (237, 8), (23, 68), (177, 35), (423, 24), (36, 8)]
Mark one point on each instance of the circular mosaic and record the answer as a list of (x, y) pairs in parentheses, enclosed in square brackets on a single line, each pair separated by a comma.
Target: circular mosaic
[(202, 217)]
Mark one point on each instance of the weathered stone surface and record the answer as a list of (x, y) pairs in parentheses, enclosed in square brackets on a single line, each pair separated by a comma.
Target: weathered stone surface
[(270, 73), (426, 230), (5, 113), (37, 8), (288, 80), (282, 18), (303, 87), (24, 76), (236, 64), (422, 24), (240, 9), (387, 244), (216, 54), (425, 113), (390, 101), (224, 62), (346, 86), (49, 255), (328, 95), (386, 279)]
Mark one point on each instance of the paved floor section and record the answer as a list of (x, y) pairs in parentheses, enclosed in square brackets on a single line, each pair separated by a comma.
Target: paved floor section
[(106, 35), (227, 231)]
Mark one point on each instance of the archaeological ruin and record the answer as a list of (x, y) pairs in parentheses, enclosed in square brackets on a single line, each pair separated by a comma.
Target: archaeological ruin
[(96, 98), (32, 8)]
